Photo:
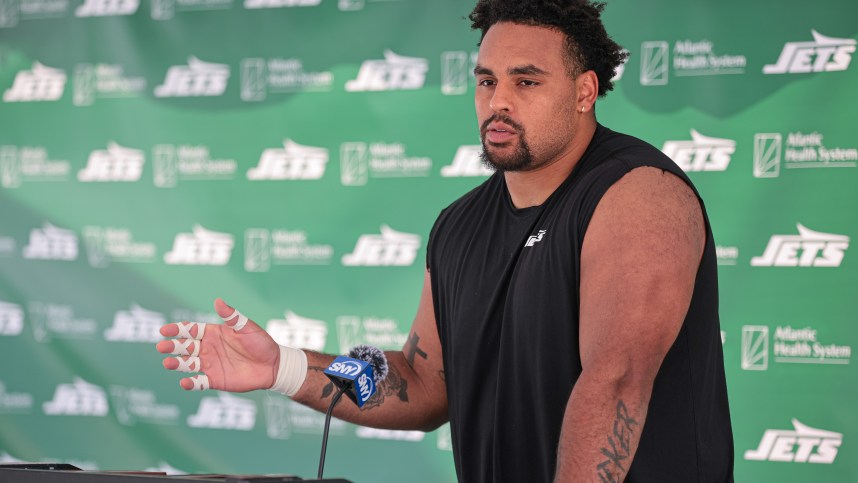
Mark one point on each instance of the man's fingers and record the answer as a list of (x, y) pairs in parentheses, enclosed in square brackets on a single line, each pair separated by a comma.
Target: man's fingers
[(196, 383), (179, 347), (231, 317), (184, 330), (183, 364)]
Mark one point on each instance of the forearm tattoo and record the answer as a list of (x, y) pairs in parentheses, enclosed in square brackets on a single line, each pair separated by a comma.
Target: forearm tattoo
[(618, 450), (393, 385), (328, 388)]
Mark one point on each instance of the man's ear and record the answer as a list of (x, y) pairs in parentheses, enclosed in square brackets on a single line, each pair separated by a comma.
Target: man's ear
[(587, 87)]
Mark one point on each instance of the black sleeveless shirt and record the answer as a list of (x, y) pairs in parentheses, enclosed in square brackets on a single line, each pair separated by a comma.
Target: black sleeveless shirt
[(505, 285)]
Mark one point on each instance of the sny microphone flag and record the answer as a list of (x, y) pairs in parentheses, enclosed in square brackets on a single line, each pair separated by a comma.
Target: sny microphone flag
[(354, 377)]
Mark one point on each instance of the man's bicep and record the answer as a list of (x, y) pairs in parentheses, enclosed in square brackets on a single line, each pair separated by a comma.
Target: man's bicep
[(422, 349), (638, 266)]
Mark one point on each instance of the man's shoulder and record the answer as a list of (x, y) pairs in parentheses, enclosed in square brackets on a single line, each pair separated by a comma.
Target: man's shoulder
[(464, 210), (626, 148), (483, 193)]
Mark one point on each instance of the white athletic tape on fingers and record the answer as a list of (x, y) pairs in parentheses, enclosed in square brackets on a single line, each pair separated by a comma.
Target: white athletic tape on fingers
[(291, 372), (242, 320), (193, 364), (201, 383), (180, 347), (185, 330)]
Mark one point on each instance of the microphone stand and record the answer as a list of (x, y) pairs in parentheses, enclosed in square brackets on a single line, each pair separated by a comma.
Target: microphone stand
[(327, 427)]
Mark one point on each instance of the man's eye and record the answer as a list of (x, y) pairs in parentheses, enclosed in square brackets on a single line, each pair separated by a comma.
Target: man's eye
[(529, 83), (486, 82)]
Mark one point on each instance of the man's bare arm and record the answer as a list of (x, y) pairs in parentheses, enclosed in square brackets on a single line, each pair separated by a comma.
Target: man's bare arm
[(412, 397), (638, 266)]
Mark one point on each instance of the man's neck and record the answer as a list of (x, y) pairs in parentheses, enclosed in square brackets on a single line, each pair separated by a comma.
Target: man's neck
[(532, 188)]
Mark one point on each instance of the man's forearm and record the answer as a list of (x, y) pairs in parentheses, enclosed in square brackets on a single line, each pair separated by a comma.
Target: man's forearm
[(401, 402), (601, 429)]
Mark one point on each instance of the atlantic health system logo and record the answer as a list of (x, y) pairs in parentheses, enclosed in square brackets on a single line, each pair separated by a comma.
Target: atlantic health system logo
[(30, 163), (108, 81), (802, 150), (690, 58), (260, 76), (457, 67), (172, 163), (264, 248), (789, 345), (360, 161)]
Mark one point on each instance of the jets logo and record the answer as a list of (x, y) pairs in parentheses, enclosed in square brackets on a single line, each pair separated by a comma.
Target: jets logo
[(293, 162), (391, 248), (702, 153), (224, 411), (466, 162), (807, 249), (196, 79), (803, 445), (202, 247), (823, 54), (116, 163), (79, 398), (41, 83), (106, 8), (395, 72)]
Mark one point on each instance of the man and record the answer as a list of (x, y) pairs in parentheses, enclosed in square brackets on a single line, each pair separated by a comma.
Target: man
[(568, 323)]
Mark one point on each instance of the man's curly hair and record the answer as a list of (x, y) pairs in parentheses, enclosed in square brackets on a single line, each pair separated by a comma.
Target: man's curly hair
[(588, 45)]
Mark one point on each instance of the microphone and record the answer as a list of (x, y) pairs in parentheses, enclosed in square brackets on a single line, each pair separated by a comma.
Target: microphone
[(357, 376)]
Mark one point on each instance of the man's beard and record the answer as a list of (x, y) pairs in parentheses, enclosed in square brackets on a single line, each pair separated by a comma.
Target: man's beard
[(520, 160)]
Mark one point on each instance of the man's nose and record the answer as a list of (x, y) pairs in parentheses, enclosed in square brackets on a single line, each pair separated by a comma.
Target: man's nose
[(501, 98)]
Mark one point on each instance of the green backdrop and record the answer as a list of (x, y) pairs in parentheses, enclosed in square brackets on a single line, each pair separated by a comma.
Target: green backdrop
[(290, 156)]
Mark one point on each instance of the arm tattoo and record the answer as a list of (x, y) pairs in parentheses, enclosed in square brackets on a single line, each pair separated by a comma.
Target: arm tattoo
[(328, 389), (394, 385), (612, 469), (412, 349)]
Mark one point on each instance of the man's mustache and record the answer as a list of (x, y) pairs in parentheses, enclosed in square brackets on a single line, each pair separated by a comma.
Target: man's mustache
[(500, 118)]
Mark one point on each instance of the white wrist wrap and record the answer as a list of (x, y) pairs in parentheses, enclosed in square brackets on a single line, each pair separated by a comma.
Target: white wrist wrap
[(292, 371)]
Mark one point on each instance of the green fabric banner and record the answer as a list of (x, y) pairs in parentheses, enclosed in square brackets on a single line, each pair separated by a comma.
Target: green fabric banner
[(290, 156)]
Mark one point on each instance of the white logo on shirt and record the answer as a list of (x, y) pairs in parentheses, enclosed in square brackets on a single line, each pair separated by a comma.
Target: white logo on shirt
[(534, 239)]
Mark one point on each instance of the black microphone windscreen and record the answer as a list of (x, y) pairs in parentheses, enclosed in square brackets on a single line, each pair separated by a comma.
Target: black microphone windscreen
[(376, 359)]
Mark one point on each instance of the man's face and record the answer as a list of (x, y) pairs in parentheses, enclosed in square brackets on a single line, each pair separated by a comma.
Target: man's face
[(525, 98)]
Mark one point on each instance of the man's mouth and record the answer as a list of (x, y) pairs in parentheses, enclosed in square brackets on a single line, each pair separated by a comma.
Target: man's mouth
[(499, 133)]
